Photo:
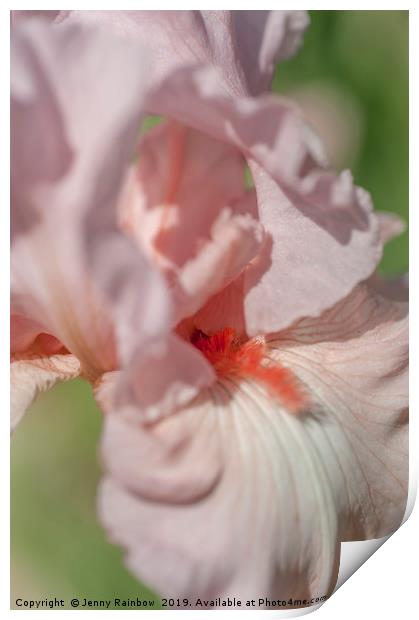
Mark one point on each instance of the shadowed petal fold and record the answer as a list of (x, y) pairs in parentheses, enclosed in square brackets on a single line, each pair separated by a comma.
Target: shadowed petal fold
[(30, 375)]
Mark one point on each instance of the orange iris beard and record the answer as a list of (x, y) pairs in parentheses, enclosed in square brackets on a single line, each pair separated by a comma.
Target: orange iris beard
[(230, 356)]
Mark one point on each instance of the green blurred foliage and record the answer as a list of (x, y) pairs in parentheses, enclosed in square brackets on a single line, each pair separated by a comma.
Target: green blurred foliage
[(58, 548)]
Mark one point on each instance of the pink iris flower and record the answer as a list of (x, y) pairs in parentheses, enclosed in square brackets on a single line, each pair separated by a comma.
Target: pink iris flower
[(250, 363)]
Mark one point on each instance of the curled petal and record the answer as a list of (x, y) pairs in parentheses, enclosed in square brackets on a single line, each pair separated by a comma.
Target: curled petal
[(30, 375), (235, 241)]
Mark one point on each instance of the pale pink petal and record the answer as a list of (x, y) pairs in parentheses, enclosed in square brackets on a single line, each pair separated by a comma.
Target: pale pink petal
[(64, 265), (320, 250), (243, 45), (136, 293), (230, 497), (31, 375), (159, 380), (56, 294), (354, 359)]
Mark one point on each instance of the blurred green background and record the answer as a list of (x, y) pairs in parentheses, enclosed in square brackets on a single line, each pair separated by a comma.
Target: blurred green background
[(351, 79)]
